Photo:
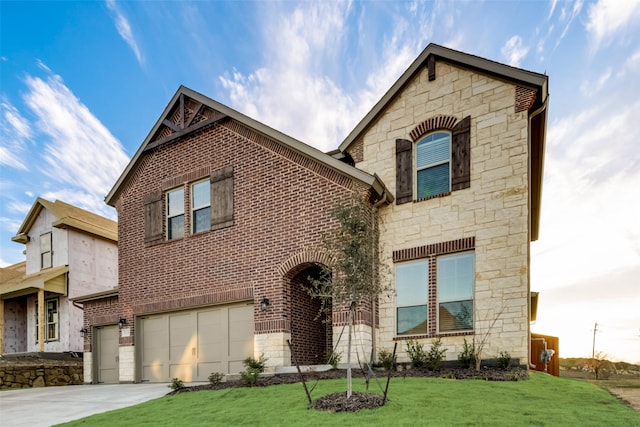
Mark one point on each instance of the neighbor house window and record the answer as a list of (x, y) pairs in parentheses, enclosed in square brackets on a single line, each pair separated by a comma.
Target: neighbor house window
[(46, 260), (201, 206), (51, 318), (433, 170), (455, 279), (175, 214), (412, 297)]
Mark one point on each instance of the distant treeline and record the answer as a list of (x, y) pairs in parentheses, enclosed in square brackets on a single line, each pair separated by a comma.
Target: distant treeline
[(580, 362)]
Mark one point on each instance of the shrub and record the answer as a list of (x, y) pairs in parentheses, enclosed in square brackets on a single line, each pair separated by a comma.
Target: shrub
[(504, 360), (387, 360), (216, 378), (254, 367), (467, 357), (176, 384), (435, 355), (416, 354), (333, 358)]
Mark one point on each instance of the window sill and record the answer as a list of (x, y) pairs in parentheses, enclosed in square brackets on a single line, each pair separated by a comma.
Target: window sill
[(439, 335), (435, 196)]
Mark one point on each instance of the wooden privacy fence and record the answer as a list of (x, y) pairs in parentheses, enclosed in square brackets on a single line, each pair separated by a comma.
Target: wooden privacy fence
[(540, 343)]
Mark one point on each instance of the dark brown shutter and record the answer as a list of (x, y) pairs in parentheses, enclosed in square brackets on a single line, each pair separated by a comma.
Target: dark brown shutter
[(431, 67), (222, 199), (404, 171), (461, 155), (153, 218)]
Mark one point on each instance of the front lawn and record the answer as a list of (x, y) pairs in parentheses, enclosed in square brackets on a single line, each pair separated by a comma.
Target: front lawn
[(541, 400)]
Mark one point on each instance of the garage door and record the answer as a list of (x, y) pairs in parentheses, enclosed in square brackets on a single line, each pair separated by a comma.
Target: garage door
[(107, 354), (190, 345)]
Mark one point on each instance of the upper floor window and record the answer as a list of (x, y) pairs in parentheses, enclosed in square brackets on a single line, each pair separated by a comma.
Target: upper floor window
[(436, 161), (46, 252), (209, 206), (433, 165), (201, 206), (175, 214)]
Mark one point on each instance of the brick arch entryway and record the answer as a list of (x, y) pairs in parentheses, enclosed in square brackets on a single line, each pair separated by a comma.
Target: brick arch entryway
[(311, 333)]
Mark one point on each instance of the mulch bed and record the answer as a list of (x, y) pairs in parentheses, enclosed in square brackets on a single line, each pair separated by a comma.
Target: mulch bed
[(338, 402)]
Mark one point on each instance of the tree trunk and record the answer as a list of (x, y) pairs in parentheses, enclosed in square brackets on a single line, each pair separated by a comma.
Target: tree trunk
[(349, 353)]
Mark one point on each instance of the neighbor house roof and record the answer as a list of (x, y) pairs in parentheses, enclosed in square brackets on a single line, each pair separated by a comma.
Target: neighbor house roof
[(15, 282), (70, 217), (216, 112), (527, 79)]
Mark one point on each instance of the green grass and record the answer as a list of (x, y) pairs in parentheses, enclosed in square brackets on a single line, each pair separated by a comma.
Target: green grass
[(542, 400)]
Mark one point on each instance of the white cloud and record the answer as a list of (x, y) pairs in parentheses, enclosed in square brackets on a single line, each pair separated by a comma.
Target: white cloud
[(608, 17), (591, 197), (14, 133), (591, 88), (79, 152), (124, 29), (514, 51)]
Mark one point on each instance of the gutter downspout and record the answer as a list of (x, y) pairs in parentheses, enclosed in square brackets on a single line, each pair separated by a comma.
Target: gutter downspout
[(540, 110)]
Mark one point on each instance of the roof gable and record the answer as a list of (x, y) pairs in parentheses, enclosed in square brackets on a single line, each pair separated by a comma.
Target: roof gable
[(189, 111), (68, 216), (427, 58)]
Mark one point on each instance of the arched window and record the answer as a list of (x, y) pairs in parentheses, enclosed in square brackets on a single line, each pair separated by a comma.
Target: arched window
[(433, 165)]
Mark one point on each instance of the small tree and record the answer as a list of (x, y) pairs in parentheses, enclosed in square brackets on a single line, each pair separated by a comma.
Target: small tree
[(353, 273)]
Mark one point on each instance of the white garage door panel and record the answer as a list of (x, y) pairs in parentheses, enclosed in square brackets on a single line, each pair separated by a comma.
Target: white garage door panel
[(240, 336), (191, 345), (182, 346), (155, 344)]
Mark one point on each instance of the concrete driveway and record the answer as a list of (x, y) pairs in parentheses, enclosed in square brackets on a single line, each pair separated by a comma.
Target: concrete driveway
[(47, 406)]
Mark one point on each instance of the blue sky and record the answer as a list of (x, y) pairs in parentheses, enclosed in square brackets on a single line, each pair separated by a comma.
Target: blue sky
[(82, 83)]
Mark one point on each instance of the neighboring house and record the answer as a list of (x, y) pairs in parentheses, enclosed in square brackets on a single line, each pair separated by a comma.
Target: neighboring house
[(69, 252), (221, 218)]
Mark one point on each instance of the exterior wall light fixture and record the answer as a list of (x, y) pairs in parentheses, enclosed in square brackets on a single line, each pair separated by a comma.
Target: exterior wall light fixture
[(83, 332), (122, 322), (264, 304)]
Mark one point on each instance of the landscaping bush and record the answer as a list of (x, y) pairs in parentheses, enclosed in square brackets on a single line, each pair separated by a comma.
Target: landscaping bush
[(333, 358), (254, 367), (416, 353), (435, 355), (387, 360), (176, 384), (504, 360), (467, 357), (216, 378)]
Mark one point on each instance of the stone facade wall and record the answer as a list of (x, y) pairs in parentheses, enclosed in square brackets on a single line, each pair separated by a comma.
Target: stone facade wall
[(20, 374), (494, 210)]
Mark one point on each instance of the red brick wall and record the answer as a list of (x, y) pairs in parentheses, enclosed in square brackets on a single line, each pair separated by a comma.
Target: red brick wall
[(105, 311), (282, 202), (310, 337)]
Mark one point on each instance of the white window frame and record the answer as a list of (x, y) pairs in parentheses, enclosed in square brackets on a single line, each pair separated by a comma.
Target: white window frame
[(416, 168), (169, 216), (198, 208)]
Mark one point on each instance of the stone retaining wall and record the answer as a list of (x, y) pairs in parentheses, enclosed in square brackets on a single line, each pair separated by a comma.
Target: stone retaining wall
[(20, 374)]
